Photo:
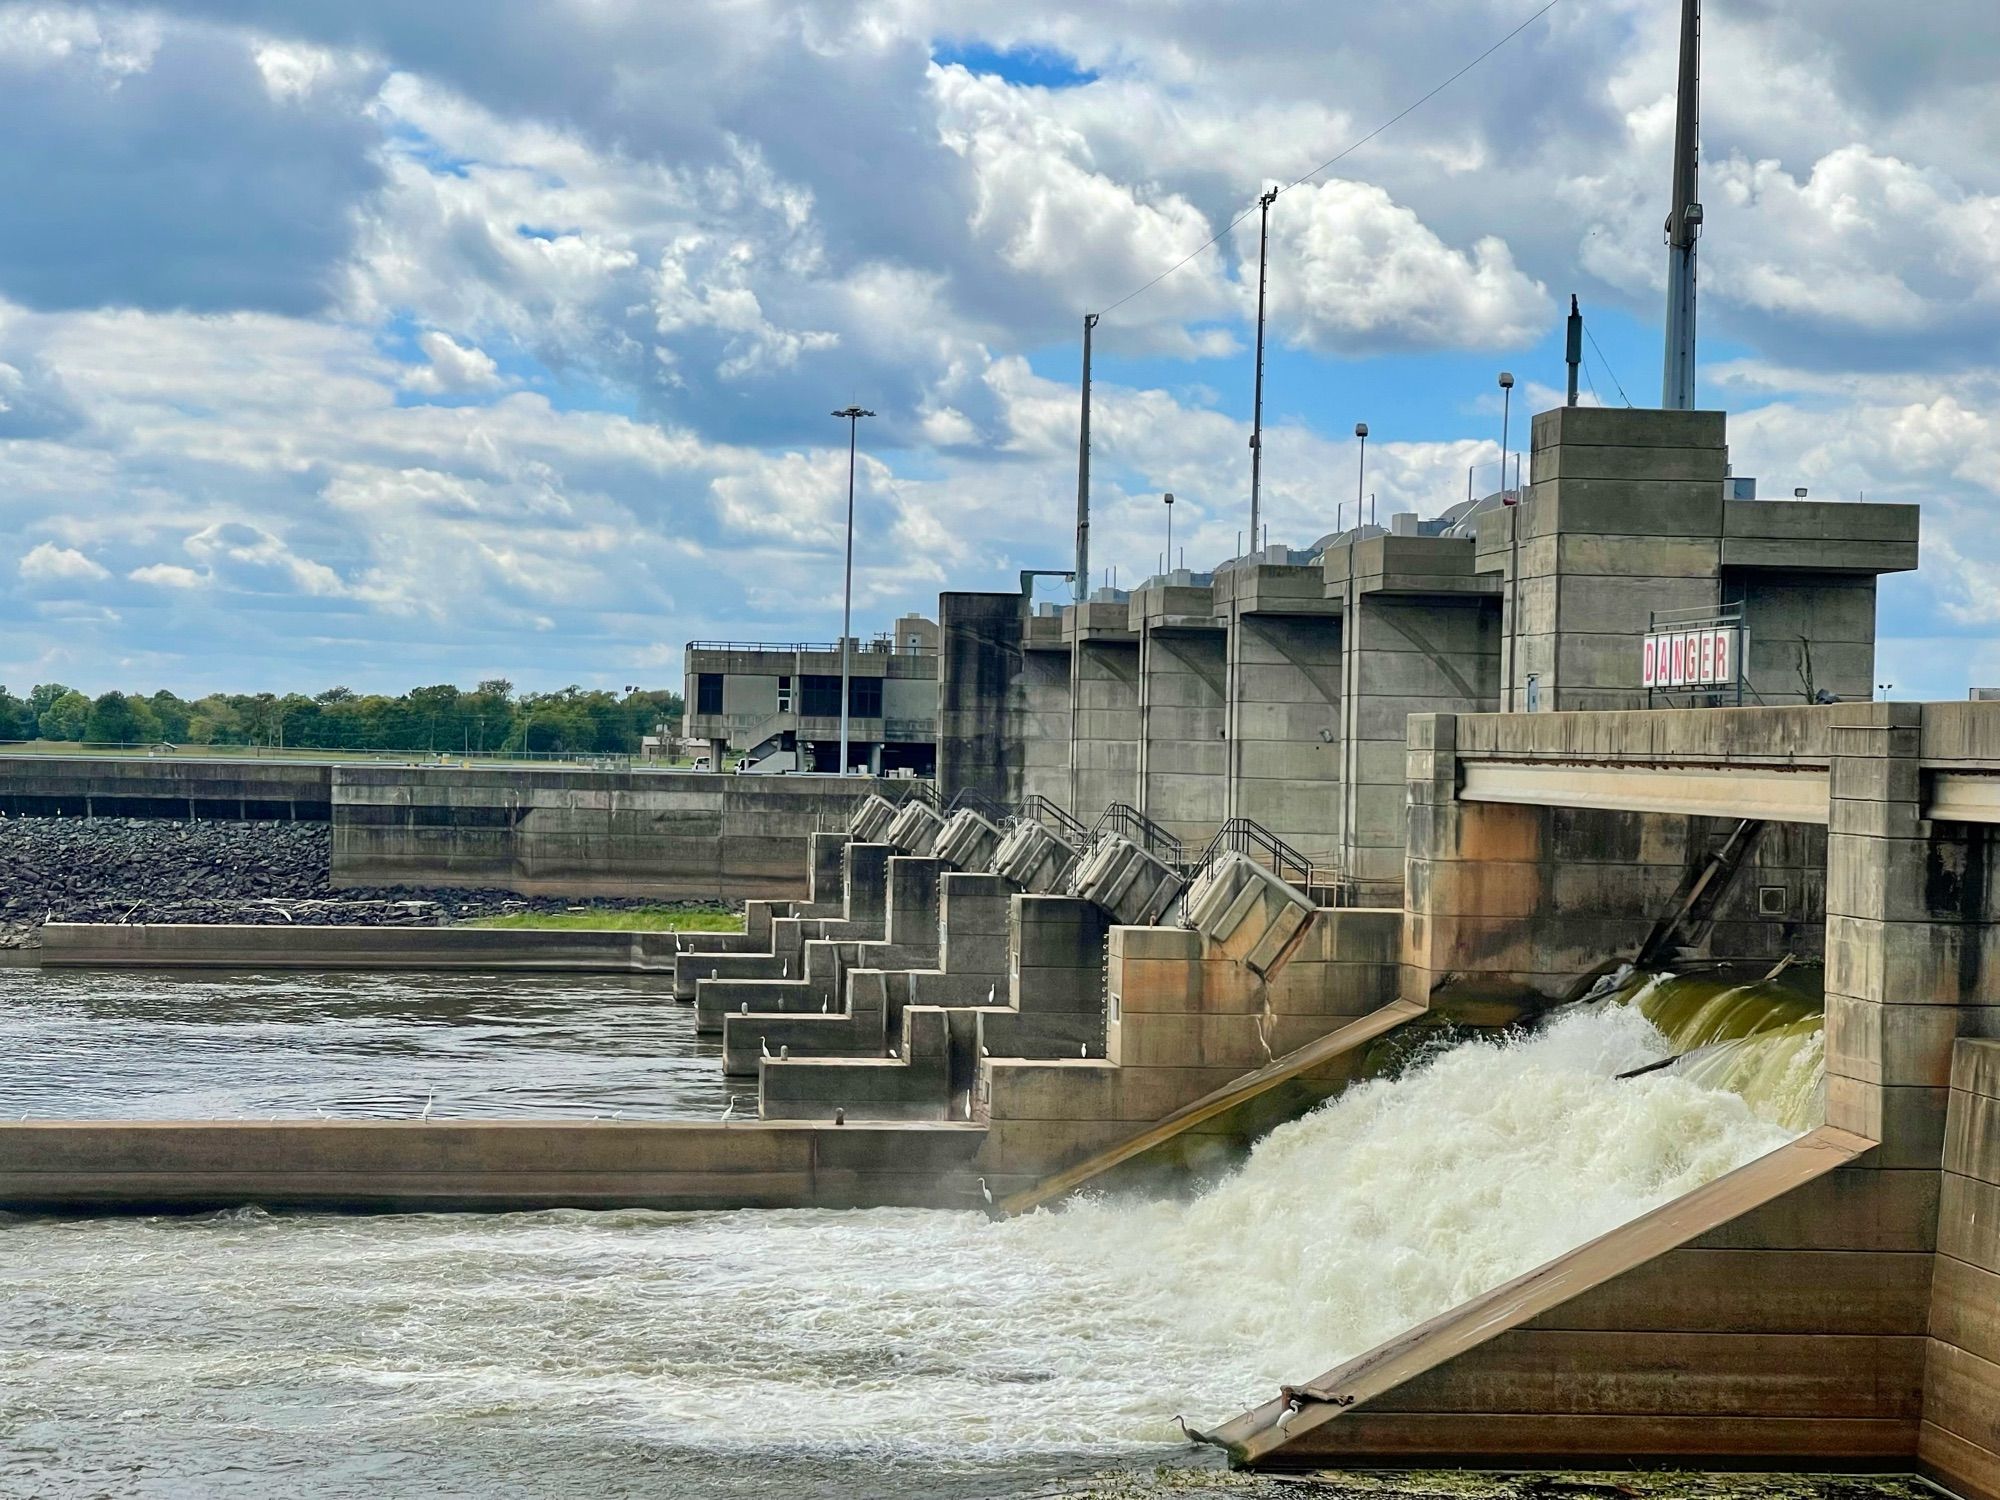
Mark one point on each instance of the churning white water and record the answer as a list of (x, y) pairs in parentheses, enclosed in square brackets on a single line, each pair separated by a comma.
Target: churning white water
[(806, 1336)]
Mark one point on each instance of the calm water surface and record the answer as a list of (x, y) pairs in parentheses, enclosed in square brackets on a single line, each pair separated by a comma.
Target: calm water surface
[(121, 1044)]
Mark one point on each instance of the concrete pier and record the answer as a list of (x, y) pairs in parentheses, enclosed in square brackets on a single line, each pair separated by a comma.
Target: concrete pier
[(1276, 688)]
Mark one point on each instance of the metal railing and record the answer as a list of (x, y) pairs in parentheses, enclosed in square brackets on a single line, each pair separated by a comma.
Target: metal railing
[(880, 646), (1247, 836), (1056, 819), (1127, 821), (982, 804)]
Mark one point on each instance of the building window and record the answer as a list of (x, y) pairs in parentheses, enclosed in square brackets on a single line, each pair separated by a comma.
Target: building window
[(864, 697), (819, 697), (784, 695), (708, 693)]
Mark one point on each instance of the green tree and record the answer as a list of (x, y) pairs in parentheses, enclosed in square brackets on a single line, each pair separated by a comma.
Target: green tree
[(65, 718), (17, 720), (42, 697), (118, 720), (170, 714)]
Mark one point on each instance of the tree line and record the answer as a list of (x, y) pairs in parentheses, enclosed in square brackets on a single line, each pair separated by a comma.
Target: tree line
[(442, 719)]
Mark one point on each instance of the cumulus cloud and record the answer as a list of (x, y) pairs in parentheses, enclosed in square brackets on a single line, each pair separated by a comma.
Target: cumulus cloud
[(47, 563), (454, 369), (689, 232), (250, 558), (1356, 273), (168, 576)]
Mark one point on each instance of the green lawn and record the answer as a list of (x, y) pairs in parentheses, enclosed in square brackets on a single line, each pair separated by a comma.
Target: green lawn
[(631, 919)]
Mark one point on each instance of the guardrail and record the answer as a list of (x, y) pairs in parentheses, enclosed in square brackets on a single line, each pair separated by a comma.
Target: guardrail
[(1057, 820), (877, 647), (1126, 820), (1247, 836)]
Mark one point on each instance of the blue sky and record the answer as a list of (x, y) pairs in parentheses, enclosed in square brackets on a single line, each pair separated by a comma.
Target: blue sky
[(375, 344)]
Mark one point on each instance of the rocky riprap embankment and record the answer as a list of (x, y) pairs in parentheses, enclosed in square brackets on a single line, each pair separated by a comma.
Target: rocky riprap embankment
[(147, 870)]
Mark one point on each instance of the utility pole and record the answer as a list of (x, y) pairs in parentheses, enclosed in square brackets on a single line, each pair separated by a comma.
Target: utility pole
[(1513, 540), (1573, 345), (1684, 220), (853, 415), (1257, 399), (1083, 472)]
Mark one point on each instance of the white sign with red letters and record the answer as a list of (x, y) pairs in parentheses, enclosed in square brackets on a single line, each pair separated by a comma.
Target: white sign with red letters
[(1702, 656)]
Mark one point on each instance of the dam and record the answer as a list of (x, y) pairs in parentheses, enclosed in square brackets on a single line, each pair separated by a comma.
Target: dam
[(1600, 1083)]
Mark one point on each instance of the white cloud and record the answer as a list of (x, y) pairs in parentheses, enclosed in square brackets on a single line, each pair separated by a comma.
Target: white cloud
[(47, 563), (1353, 272), (454, 369), (168, 576)]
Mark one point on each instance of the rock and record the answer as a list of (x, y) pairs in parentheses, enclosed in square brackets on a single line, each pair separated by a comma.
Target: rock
[(144, 870)]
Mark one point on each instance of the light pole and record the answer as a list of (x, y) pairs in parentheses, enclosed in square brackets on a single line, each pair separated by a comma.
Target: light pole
[(1513, 539), (1360, 472), (853, 414), (1169, 497)]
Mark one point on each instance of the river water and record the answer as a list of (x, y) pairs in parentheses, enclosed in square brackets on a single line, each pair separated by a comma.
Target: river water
[(196, 1045), (882, 1353)]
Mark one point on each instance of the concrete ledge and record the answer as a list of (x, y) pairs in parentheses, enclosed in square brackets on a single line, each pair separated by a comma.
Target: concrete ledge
[(411, 1166), (125, 946)]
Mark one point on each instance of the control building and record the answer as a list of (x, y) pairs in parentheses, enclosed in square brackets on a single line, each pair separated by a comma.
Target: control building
[(776, 707)]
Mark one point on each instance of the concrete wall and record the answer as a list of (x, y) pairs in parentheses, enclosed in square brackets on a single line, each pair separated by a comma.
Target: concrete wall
[(670, 834), (1403, 656), (1183, 754), (1959, 1441), (158, 787), (1285, 742), (1104, 744), (106, 945), (1003, 713)]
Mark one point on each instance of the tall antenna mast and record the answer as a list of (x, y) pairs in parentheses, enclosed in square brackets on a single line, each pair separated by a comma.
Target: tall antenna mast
[(1081, 588), (1684, 220), (1257, 400)]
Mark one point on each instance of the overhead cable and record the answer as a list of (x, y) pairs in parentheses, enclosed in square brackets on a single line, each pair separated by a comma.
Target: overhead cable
[(1339, 155)]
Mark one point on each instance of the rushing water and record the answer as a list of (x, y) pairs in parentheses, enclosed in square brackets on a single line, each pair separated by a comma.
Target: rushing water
[(879, 1353), (1763, 1039), (122, 1044)]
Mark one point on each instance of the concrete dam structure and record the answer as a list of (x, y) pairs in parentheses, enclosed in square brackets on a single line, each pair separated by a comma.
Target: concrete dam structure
[(1275, 690), (1358, 898)]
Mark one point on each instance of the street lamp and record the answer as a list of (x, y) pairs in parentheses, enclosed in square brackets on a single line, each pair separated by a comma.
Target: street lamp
[(853, 415), (1513, 539), (1360, 472), (1169, 497)]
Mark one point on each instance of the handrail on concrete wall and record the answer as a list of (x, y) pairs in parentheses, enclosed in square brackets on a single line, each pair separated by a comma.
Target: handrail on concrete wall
[(1126, 820)]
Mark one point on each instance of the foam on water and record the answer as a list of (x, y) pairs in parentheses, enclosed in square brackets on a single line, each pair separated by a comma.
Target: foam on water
[(899, 1334)]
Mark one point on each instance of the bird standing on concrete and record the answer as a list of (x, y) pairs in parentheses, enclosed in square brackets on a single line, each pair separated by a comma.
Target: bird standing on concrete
[(427, 1104), (764, 1046), (1286, 1417), (729, 1113)]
